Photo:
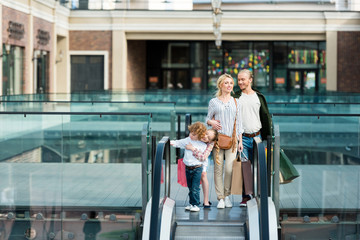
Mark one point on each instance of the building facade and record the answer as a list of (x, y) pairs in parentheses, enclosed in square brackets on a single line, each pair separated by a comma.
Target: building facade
[(61, 47)]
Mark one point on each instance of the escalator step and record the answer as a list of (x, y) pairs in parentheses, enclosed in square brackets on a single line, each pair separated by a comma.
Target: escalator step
[(209, 232)]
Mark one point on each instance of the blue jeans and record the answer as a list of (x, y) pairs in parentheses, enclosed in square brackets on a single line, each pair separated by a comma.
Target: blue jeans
[(248, 143), (193, 177)]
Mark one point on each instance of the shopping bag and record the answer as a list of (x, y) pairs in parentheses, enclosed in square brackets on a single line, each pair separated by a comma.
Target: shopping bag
[(236, 179), (288, 171), (247, 175), (181, 173)]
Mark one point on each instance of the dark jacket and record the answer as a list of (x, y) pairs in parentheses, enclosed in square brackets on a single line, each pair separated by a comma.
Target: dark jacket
[(265, 117)]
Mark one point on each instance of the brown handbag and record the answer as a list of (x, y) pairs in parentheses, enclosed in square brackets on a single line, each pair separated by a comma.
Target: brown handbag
[(226, 142)]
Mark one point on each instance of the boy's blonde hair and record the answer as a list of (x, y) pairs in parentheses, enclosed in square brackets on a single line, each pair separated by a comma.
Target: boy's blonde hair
[(198, 129)]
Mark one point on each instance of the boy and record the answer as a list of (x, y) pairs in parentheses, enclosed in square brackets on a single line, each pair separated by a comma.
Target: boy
[(193, 166)]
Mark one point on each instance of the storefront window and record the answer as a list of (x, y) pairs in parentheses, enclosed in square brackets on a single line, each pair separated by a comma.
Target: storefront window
[(303, 54), (280, 66), (41, 71), (238, 56), (261, 64), (215, 64), (13, 65), (322, 63)]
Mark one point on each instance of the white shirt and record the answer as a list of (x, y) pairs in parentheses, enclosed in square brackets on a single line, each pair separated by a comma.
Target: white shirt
[(225, 113), (189, 159), (250, 112)]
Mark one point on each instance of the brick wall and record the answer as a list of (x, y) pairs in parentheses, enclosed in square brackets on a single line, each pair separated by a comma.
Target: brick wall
[(93, 41), (40, 24), (348, 72), (136, 68)]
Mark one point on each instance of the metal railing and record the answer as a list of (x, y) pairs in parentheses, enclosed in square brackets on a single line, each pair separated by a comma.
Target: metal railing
[(157, 202)]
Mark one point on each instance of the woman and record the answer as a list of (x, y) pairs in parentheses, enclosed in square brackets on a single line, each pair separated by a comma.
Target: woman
[(222, 113)]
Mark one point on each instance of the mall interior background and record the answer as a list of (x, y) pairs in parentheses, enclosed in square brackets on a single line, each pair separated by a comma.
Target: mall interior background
[(74, 46)]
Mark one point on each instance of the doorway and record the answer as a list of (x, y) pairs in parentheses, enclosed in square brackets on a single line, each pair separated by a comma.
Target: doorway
[(176, 79), (302, 81), (87, 73)]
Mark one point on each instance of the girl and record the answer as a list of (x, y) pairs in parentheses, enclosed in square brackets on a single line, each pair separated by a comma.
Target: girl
[(210, 138)]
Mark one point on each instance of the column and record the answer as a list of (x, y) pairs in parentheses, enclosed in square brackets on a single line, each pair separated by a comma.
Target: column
[(119, 60), (331, 60)]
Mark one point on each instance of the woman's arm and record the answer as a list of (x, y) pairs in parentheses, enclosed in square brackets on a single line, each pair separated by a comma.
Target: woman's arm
[(210, 120)]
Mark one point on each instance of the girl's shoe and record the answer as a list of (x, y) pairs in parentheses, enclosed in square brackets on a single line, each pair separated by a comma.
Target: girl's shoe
[(207, 206)]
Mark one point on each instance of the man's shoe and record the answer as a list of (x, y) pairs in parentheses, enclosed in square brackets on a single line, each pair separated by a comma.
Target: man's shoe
[(245, 199), (194, 209), (228, 203), (221, 204), (188, 207)]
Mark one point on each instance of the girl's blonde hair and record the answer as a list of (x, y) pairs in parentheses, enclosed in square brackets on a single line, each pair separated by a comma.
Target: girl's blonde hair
[(220, 81)]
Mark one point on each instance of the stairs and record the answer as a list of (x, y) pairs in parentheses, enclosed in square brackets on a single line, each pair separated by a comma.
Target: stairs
[(213, 223)]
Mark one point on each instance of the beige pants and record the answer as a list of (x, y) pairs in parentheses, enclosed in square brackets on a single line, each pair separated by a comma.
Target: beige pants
[(223, 183)]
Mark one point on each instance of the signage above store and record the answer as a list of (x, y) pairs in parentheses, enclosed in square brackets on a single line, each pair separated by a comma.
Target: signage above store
[(16, 30), (43, 37)]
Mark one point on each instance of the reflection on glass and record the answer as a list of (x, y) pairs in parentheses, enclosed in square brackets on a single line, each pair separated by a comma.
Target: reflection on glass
[(215, 65), (327, 159)]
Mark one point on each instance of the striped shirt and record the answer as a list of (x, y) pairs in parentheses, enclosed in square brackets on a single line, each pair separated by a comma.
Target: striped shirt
[(225, 112)]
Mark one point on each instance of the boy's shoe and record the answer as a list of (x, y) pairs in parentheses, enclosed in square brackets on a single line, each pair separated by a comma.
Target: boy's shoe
[(188, 207), (221, 204), (245, 199), (228, 203), (194, 209)]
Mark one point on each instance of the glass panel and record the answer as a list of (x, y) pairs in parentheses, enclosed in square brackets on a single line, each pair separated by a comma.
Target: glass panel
[(309, 81), (87, 73), (13, 64), (215, 65), (238, 56), (280, 79), (53, 164), (322, 77), (303, 54), (295, 80), (176, 56), (261, 65), (325, 152)]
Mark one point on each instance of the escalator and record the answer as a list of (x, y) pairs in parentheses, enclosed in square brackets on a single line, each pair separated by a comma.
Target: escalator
[(163, 220)]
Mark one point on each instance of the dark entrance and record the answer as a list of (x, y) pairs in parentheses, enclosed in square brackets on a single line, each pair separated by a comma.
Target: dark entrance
[(302, 81), (87, 73)]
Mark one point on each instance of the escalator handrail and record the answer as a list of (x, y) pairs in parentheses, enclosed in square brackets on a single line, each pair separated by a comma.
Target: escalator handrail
[(260, 179), (162, 153)]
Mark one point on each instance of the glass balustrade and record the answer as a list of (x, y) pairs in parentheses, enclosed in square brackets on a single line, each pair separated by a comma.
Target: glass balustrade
[(325, 151), (71, 175)]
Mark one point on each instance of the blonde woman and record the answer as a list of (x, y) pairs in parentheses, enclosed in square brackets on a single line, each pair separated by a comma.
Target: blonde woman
[(222, 113)]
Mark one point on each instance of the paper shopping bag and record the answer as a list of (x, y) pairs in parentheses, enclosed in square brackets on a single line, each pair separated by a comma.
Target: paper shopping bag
[(181, 173), (237, 180), (288, 171), (247, 175)]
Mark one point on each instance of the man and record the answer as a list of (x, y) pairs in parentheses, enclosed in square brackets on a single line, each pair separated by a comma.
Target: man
[(255, 117)]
